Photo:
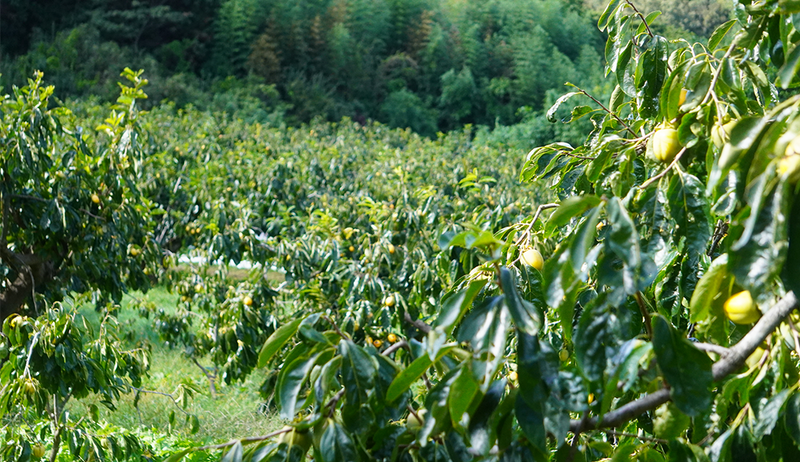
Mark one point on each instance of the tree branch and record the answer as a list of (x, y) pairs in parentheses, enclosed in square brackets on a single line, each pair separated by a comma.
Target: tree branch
[(251, 439), (711, 348), (421, 325), (732, 360), (208, 375), (661, 175), (395, 347)]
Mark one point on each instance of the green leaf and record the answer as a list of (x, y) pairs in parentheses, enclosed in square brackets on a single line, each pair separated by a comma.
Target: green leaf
[(531, 422), (686, 369), (412, 373), (759, 253), (277, 340), (791, 418), (526, 317), (791, 279), (177, 456), (720, 449), (719, 33), (708, 290), (577, 113), (683, 452), (583, 239), (625, 70), (359, 370), (595, 337), (551, 113), (626, 371), (690, 211), (290, 381), (235, 453), (608, 13), (769, 414), (711, 291), (462, 395), (623, 239), (455, 305), (616, 100), (336, 445), (789, 69), (569, 209)]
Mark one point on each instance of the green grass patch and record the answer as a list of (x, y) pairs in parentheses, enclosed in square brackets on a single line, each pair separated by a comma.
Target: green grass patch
[(233, 413)]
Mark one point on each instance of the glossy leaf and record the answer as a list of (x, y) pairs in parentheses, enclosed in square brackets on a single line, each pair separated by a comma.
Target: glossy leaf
[(277, 340), (686, 369)]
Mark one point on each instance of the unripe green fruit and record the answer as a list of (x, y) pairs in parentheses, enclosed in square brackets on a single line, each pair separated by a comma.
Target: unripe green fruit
[(532, 257), (294, 437), (670, 422), (37, 451), (721, 134), (563, 355), (665, 144), (789, 165), (413, 423), (741, 309), (30, 387)]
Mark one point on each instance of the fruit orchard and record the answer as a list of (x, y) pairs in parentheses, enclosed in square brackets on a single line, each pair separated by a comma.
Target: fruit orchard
[(413, 299)]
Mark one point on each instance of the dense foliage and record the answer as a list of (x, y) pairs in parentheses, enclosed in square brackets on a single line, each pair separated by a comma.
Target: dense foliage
[(426, 64), (409, 299)]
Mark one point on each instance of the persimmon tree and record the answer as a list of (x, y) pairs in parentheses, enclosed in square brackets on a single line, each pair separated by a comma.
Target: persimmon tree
[(73, 224), (72, 217), (623, 345)]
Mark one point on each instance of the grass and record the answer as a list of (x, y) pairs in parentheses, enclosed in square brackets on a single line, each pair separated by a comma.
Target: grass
[(232, 413)]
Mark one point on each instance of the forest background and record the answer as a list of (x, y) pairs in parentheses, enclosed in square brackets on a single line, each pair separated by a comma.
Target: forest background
[(429, 65)]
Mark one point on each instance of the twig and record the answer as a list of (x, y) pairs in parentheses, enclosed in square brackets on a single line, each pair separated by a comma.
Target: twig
[(251, 439), (573, 451), (718, 72), (90, 214), (610, 112), (335, 327), (661, 175), (395, 347), (645, 314), (539, 211), (730, 362), (332, 403), (152, 392), (34, 341), (711, 348), (631, 435), (421, 325), (412, 411), (208, 375), (26, 196), (577, 156), (638, 13), (720, 231)]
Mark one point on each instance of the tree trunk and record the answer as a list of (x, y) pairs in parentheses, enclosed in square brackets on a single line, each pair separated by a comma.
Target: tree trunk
[(28, 278)]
